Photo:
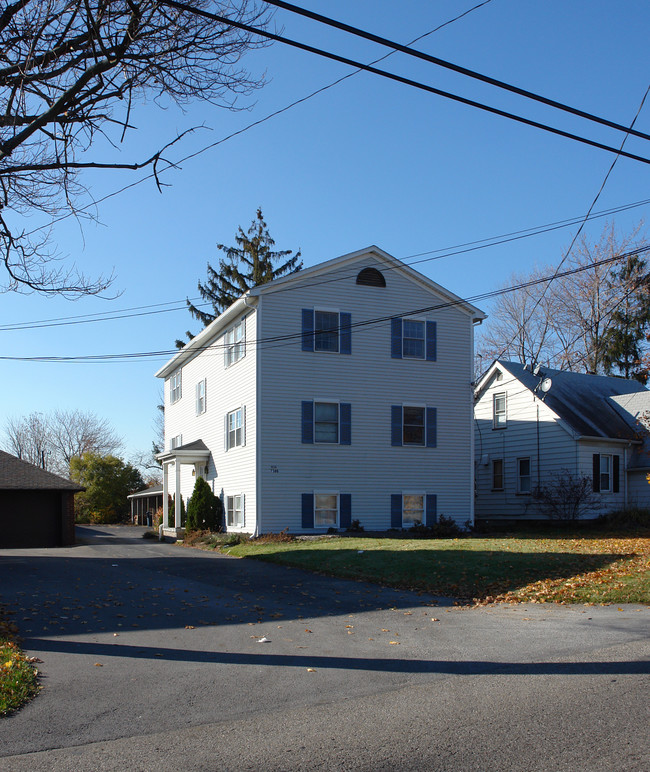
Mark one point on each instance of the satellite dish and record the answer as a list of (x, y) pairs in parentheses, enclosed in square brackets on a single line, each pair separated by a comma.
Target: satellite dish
[(546, 385)]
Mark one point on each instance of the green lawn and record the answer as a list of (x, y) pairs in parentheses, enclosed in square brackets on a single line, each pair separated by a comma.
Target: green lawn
[(560, 570)]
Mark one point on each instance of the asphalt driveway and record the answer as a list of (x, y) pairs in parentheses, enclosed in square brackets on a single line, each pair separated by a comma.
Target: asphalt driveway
[(159, 657)]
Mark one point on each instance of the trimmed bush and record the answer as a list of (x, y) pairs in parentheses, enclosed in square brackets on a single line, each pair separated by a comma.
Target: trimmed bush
[(204, 509)]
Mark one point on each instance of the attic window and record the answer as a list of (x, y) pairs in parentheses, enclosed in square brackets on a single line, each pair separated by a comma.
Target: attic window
[(371, 277)]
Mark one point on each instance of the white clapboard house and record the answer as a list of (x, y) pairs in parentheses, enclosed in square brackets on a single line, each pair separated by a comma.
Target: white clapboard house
[(339, 393), (533, 423)]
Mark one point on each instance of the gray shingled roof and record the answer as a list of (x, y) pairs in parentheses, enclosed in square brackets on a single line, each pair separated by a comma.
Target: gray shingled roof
[(16, 474), (591, 405)]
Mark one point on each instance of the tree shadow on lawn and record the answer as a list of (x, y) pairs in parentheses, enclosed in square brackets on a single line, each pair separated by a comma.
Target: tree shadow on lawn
[(462, 573)]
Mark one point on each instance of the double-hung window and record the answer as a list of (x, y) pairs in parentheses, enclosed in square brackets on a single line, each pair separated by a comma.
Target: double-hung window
[(411, 507), (235, 343), (499, 416), (523, 475), (497, 474), (605, 472), (235, 511), (175, 387), (414, 425), (326, 422), (176, 441), (326, 330), (200, 397), (235, 428), (326, 509), (413, 339), (606, 475)]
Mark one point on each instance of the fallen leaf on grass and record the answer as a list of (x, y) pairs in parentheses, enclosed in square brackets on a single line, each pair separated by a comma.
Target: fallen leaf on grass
[(394, 643)]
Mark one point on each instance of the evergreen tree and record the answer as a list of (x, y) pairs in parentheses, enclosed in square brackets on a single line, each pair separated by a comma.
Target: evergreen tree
[(630, 321), (248, 264), (204, 509)]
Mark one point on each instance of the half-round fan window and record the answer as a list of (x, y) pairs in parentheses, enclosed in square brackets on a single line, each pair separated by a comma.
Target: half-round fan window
[(371, 277)]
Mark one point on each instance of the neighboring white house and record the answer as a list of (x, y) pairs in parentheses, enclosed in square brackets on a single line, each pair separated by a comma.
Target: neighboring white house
[(532, 423), (339, 393)]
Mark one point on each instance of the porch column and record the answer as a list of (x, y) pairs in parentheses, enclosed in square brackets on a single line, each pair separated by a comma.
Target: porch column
[(177, 495), (165, 501)]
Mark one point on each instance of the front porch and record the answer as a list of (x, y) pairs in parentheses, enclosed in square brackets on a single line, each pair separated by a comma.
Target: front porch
[(195, 454)]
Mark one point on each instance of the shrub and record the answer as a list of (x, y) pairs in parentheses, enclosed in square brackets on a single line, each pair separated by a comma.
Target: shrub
[(283, 536), (204, 510), (171, 512), (626, 519), (445, 528), (355, 527), (566, 496)]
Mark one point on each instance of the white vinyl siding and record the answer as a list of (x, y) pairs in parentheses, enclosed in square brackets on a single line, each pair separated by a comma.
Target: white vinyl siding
[(370, 469)]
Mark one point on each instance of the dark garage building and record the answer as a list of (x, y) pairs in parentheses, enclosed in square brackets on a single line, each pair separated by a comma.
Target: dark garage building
[(36, 507)]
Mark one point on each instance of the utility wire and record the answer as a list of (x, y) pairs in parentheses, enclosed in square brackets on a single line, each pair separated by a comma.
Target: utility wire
[(252, 125), (451, 66), (181, 305), (401, 79), (579, 231), (292, 337)]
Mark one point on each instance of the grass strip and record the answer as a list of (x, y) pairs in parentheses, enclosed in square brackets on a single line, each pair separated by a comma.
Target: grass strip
[(595, 570)]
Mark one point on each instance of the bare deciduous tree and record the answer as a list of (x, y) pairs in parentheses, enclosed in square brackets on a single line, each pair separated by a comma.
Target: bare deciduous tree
[(71, 72), (563, 323), (50, 441)]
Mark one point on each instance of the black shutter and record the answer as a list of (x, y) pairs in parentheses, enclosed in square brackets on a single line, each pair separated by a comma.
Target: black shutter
[(596, 472), (616, 486)]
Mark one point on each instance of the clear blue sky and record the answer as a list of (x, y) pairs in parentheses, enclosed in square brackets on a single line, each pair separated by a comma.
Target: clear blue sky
[(367, 162)]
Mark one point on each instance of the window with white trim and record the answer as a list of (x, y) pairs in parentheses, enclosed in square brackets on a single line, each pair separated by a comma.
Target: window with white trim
[(412, 339), (326, 331), (235, 343), (413, 425), (499, 415), (200, 397), (326, 510), (235, 428), (235, 511), (605, 473), (523, 475), (326, 422), (176, 441), (497, 474), (412, 509), (175, 387)]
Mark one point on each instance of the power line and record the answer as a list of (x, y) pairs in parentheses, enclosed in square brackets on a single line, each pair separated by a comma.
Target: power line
[(458, 249), (253, 124), (401, 79), (451, 66), (292, 337), (582, 224)]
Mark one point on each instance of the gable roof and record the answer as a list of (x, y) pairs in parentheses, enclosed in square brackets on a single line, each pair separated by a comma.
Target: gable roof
[(16, 474), (390, 263), (590, 405), (250, 298)]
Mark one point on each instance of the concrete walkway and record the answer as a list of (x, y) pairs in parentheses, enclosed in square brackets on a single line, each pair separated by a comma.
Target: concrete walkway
[(154, 658)]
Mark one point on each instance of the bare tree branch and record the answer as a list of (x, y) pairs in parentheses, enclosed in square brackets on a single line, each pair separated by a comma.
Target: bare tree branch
[(73, 70)]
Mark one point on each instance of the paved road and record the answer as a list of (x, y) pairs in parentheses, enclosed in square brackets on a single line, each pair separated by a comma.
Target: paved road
[(153, 660)]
